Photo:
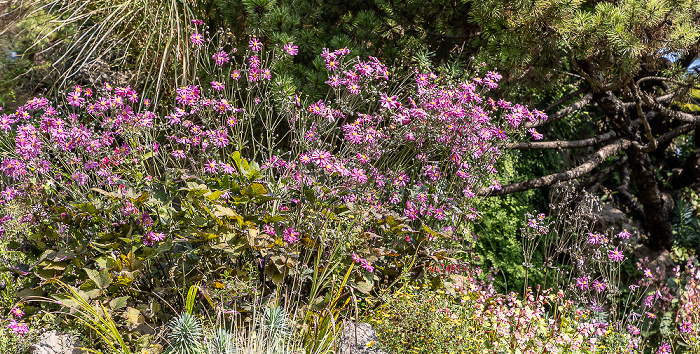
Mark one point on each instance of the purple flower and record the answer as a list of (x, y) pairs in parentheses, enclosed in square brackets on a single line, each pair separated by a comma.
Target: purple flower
[(291, 49), (218, 86), (389, 102), (616, 255), (583, 283), (599, 286), (594, 238), (290, 235), (211, 166), (624, 234), (153, 237), (220, 58), (178, 153), (17, 312), (197, 39), (18, 329), (254, 44), (686, 327), (664, 349)]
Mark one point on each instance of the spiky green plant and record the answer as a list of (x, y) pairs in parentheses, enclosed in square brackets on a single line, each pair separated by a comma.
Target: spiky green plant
[(186, 335), (221, 341), (150, 37), (277, 323)]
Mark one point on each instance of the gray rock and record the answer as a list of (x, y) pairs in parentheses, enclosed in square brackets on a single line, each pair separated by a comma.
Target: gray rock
[(358, 338), (53, 342), (612, 219)]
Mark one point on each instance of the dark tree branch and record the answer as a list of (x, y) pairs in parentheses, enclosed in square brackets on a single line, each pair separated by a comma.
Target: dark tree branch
[(566, 98), (563, 112), (562, 144), (664, 138), (661, 78), (588, 166), (455, 36), (603, 173), (651, 146), (625, 195), (681, 116)]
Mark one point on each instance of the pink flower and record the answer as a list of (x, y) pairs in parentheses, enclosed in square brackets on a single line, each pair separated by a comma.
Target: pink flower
[(389, 102), (594, 238), (599, 286), (178, 153), (153, 237), (218, 86), (211, 166), (197, 22), (664, 349), (18, 329), (254, 75), (291, 49), (686, 327), (368, 267), (290, 235), (75, 100), (254, 44), (197, 39), (583, 283), (17, 312), (235, 74), (332, 64), (268, 229), (220, 58), (616, 255), (624, 234)]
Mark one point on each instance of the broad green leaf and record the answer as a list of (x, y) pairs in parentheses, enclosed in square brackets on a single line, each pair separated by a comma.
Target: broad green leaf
[(254, 190), (101, 278)]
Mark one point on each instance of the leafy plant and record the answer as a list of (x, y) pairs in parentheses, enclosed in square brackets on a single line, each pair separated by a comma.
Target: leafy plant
[(185, 336)]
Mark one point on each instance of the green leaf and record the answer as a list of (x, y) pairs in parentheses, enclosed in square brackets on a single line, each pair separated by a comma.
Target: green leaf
[(117, 303), (101, 278), (254, 190), (269, 219), (87, 207), (134, 318)]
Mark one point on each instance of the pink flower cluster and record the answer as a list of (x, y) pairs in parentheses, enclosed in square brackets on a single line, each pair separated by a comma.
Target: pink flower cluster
[(363, 262)]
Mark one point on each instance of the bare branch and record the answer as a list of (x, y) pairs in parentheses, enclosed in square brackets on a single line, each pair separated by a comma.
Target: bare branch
[(660, 78), (455, 36), (563, 112), (588, 166), (562, 144), (681, 116), (565, 98), (676, 132)]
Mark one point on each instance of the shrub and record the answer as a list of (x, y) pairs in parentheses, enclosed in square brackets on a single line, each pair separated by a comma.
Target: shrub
[(244, 180)]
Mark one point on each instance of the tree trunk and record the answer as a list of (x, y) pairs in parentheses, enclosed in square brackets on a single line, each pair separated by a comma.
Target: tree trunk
[(656, 213)]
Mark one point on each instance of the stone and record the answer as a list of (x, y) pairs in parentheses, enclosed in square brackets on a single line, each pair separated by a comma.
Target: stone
[(615, 220), (358, 338), (53, 342)]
